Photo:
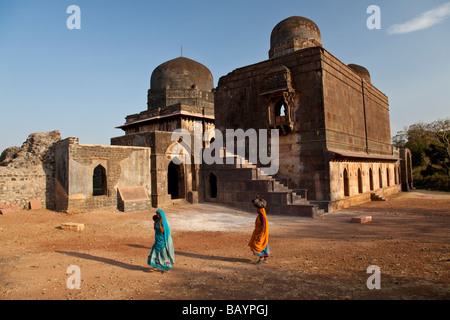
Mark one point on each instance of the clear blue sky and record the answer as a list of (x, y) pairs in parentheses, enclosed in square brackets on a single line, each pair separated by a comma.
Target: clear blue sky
[(84, 82)]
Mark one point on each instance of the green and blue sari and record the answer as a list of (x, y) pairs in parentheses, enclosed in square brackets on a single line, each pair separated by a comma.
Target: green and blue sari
[(162, 254)]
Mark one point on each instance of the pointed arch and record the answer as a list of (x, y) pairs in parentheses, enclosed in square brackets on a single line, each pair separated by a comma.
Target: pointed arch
[(280, 108), (212, 186), (360, 184), (380, 177), (387, 177), (175, 180), (99, 185), (371, 179), (346, 184)]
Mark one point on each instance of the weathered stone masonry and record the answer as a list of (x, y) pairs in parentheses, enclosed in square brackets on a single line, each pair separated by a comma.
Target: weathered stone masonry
[(27, 173), (78, 165)]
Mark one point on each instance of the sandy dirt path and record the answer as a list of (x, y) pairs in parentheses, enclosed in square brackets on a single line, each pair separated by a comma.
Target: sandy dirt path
[(324, 258)]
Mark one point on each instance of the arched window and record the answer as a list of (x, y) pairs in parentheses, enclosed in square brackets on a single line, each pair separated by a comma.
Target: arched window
[(387, 177), (212, 185), (380, 177), (397, 175), (280, 108), (346, 184), (360, 185), (371, 179), (99, 181)]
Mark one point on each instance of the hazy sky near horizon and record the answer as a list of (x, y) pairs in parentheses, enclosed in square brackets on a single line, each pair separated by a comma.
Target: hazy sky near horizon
[(85, 82)]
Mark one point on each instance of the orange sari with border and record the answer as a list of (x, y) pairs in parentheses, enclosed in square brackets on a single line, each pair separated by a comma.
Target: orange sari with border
[(255, 244)]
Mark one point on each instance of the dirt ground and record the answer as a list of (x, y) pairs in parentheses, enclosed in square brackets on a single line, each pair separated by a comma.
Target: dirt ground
[(324, 258)]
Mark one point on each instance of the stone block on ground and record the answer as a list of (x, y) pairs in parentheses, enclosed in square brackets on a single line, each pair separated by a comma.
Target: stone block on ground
[(72, 226), (6, 211), (361, 219), (35, 204)]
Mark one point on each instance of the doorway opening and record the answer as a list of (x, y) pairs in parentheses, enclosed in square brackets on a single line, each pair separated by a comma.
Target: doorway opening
[(346, 184), (371, 179), (360, 184), (212, 185), (175, 181), (99, 181)]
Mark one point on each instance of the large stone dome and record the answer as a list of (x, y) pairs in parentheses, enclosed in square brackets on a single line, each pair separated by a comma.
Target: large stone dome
[(363, 72), (292, 34), (181, 73)]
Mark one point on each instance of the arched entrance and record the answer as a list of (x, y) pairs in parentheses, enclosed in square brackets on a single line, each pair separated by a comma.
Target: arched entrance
[(212, 186), (346, 184), (371, 179), (380, 177), (99, 181), (387, 177), (360, 184), (175, 181)]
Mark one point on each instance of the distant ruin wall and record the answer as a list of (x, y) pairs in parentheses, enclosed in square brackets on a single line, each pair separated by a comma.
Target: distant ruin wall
[(18, 187), (27, 173)]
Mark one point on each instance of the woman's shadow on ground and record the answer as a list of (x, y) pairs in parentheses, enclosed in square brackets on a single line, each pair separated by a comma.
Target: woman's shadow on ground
[(133, 267), (105, 260), (207, 257), (197, 255)]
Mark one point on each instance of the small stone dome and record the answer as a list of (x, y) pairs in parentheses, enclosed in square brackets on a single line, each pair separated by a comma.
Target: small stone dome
[(181, 73), (363, 72), (292, 34)]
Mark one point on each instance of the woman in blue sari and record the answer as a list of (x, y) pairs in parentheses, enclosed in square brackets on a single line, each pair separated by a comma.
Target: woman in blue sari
[(162, 255)]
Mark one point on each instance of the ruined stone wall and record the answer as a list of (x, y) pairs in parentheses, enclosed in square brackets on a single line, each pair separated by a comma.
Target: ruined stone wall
[(27, 173), (18, 186), (74, 170)]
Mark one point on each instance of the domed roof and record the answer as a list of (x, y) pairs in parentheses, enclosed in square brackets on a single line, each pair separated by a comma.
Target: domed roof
[(181, 73), (363, 72), (293, 33)]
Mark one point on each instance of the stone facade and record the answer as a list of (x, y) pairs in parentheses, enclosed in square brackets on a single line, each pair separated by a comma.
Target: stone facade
[(170, 182), (236, 183), (330, 116), (181, 97), (18, 187), (87, 177), (334, 139)]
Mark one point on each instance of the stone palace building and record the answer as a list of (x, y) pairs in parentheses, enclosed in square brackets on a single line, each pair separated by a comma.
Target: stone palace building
[(332, 122)]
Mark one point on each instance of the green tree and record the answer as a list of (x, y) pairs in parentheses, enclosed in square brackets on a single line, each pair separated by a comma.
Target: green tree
[(429, 144)]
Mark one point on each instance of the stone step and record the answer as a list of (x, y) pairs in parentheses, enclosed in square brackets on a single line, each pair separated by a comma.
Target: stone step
[(298, 210), (240, 186)]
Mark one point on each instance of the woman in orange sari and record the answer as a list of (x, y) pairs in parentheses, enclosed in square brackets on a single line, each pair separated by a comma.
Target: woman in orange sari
[(259, 242)]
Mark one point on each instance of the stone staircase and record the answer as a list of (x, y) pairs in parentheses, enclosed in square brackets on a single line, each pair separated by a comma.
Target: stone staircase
[(239, 181)]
